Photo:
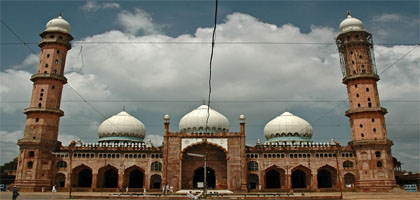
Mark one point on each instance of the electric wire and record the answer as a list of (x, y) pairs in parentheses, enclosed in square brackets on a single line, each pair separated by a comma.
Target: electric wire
[(78, 94), (386, 68), (203, 42), (17, 36), (211, 62)]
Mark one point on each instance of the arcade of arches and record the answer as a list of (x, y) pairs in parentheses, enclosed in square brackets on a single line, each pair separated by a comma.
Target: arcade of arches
[(299, 178), (109, 177), (193, 171)]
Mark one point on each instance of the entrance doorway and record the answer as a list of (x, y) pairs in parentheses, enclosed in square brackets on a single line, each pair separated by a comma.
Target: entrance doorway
[(272, 179), (298, 179), (324, 179), (110, 178), (84, 178), (60, 180), (136, 179), (199, 177), (155, 181), (253, 181)]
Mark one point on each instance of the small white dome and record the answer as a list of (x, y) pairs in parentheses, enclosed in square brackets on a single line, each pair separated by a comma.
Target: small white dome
[(122, 126), (288, 127), (58, 24), (195, 121), (351, 24)]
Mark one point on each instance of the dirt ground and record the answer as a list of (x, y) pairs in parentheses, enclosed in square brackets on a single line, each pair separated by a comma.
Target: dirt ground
[(346, 195)]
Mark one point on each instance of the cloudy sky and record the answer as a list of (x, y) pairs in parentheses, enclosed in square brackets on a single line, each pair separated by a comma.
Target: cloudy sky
[(112, 64)]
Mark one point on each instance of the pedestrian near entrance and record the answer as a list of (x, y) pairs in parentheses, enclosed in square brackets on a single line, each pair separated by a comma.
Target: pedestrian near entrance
[(163, 189), (15, 193), (54, 189)]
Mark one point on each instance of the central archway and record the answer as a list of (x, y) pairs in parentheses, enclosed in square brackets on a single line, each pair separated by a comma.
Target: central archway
[(199, 177), (216, 163)]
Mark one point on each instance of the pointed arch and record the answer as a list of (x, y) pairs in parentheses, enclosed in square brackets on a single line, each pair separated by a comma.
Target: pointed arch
[(274, 177), (155, 181), (327, 177), (59, 180), (134, 177), (301, 177), (200, 143), (107, 177), (82, 176)]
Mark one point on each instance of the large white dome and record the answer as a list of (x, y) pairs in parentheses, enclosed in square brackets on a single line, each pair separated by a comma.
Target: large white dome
[(122, 127), (195, 121), (351, 24), (288, 127), (58, 24)]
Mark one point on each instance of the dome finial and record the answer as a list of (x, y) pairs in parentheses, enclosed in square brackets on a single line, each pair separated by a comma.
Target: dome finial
[(123, 107), (348, 13), (61, 14), (204, 102)]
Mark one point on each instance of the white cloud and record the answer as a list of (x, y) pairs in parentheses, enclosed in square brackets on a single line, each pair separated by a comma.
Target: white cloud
[(155, 139), (387, 18), (417, 157), (66, 139), (390, 27), (137, 22), (29, 62), (10, 137), (93, 6)]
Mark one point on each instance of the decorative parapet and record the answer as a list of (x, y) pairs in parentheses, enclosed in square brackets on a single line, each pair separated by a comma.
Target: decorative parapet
[(131, 146)]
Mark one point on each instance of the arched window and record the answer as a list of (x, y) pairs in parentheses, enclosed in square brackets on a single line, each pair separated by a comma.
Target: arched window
[(378, 154), (30, 164), (379, 164), (61, 164), (156, 166), (252, 166), (31, 154), (348, 164)]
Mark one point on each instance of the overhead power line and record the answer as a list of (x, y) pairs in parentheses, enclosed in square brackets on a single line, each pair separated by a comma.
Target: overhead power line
[(215, 101), (17, 36), (386, 68), (205, 43), (211, 62), (78, 94)]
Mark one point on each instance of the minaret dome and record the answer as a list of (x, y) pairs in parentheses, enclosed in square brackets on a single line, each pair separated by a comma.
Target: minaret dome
[(58, 24), (351, 24)]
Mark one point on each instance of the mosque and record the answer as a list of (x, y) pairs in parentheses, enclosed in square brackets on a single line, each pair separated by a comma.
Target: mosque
[(288, 159)]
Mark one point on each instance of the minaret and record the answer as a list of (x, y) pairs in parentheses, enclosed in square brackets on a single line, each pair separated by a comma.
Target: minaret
[(43, 115), (367, 122)]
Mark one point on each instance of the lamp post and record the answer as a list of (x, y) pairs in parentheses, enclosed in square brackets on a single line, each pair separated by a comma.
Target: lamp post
[(205, 170), (72, 144)]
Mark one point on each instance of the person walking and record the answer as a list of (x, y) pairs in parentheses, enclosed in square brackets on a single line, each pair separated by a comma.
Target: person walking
[(163, 189), (54, 189), (15, 193)]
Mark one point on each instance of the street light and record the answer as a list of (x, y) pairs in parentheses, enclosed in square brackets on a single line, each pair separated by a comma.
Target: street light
[(205, 170)]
